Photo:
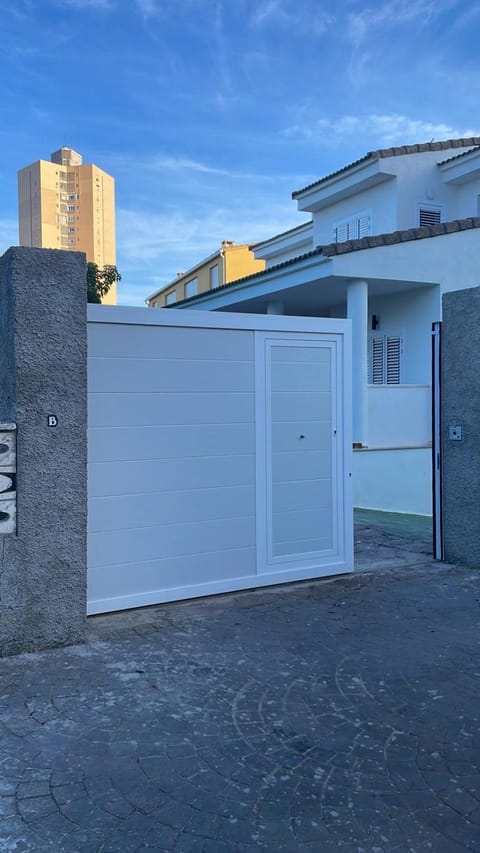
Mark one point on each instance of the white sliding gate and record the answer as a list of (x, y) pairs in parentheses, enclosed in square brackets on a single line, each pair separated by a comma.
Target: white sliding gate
[(219, 453)]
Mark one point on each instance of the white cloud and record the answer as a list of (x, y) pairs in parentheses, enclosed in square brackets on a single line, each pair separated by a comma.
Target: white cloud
[(377, 130)]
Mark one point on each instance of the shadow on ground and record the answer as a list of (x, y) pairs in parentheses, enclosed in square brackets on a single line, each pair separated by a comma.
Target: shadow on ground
[(338, 715)]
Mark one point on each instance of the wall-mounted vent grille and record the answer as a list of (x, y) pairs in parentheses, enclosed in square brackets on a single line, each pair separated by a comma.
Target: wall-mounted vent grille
[(429, 216)]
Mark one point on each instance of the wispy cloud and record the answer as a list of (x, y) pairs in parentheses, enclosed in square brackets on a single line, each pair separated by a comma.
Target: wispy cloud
[(287, 13), (183, 163), (379, 32), (267, 10), (393, 13), (103, 5), (21, 10), (387, 129), (154, 246), (148, 8), (179, 238)]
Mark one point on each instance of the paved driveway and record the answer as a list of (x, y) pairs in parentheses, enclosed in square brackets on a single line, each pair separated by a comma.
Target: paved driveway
[(332, 716)]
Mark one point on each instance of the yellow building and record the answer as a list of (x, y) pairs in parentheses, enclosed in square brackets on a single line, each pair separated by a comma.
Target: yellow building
[(65, 204), (227, 264)]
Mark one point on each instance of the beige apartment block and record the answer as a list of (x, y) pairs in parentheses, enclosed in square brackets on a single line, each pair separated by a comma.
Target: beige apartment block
[(227, 264), (66, 204)]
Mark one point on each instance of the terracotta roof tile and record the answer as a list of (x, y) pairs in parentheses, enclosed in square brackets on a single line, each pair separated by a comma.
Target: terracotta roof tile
[(400, 236), (457, 156)]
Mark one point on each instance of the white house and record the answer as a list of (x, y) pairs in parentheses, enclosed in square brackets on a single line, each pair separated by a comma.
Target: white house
[(388, 235)]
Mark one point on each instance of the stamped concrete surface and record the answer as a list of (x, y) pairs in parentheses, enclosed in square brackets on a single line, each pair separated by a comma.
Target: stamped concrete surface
[(340, 715)]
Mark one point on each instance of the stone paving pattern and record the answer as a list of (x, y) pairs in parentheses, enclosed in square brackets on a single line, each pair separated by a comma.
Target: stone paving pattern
[(340, 715)]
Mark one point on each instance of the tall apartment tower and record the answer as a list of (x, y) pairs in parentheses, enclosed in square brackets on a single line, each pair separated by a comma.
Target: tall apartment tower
[(65, 204)]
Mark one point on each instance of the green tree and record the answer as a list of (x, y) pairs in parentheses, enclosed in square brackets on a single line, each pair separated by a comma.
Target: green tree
[(99, 281)]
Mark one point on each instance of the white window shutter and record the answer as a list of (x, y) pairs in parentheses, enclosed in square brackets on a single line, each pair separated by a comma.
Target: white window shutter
[(393, 358), (385, 360), (376, 361), (340, 232), (364, 228), (353, 228)]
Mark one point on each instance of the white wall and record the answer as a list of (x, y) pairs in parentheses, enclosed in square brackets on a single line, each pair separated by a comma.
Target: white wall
[(420, 182), (409, 314), (468, 199), (450, 260), (381, 200), (399, 416), (393, 480)]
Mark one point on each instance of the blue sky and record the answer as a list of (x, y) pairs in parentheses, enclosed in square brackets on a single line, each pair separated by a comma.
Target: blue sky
[(208, 113)]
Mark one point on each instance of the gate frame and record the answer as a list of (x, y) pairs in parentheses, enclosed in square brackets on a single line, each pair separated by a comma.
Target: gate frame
[(267, 323)]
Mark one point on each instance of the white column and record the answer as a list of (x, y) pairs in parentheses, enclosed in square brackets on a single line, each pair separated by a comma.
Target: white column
[(357, 312), (275, 308)]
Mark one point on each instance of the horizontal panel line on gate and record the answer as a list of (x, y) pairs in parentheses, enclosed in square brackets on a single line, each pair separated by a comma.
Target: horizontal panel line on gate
[(101, 566), (302, 511), (181, 425), (190, 360), (304, 480), (171, 393), (141, 460), (304, 452), (181, 523), (308, 420), (173, 491)]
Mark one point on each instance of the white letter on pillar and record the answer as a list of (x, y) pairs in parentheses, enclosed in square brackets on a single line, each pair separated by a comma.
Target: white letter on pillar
[(357, 312)]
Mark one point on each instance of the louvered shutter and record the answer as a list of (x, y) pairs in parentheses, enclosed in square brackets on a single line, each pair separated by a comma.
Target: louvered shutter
[(376, 361), (340, 232), (364, 229), (392, 361), (385, 356), (429, 216), (352, 227)]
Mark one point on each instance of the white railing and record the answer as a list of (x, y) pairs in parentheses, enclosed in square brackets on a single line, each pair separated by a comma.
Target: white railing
[(399, 416)]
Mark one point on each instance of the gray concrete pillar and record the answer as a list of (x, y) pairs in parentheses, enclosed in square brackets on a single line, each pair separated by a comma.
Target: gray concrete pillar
[(43, 391), (460, 420)]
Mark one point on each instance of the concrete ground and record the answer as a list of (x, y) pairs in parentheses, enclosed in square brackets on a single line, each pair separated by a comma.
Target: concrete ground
[(339, 715)]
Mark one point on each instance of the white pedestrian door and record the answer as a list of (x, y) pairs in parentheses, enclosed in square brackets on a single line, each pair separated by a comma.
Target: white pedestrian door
[(299, 473)]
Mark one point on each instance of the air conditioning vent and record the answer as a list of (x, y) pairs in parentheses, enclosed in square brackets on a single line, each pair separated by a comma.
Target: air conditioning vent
[(429, 216)]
